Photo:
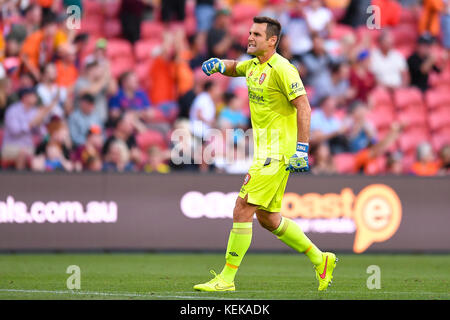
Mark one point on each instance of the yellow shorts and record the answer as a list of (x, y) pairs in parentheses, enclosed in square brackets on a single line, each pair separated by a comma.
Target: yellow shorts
[(265, 183)]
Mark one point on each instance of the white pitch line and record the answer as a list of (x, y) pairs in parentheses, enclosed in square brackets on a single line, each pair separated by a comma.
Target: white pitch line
[(118, 294)]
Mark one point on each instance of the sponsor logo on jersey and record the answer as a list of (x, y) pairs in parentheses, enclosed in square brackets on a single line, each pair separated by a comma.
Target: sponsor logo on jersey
[(262, 78), (247, 178)]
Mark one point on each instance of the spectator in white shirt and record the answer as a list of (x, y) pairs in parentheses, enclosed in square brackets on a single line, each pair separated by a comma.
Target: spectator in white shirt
[(48, 91), (387, 64), (319, 18)]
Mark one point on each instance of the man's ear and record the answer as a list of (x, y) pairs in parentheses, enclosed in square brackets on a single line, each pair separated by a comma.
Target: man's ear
[(273, 40)]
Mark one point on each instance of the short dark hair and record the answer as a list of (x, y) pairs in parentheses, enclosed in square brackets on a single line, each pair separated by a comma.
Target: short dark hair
[(273, 27), (88, 98)]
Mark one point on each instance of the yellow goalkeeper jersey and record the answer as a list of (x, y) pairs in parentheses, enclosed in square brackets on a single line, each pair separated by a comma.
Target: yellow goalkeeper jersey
[(271, 87)]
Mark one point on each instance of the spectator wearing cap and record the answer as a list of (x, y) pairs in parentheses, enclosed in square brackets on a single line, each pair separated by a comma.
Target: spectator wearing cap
[(422, 62), (387, 64), (23, 121), (39, 47), (218, 39), (97, 82), (99, 54), (425, 164), (49, 92), (361, 78), (83, 118), (89, 156)]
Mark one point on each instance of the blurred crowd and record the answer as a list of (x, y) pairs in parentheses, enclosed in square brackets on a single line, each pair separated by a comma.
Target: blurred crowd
[(101, 85)]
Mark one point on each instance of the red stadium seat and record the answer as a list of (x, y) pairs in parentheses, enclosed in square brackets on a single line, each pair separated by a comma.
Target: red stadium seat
[(409, 140), (142, 72), (439, 118), (190, 25), (92, 25), (415, 116), (362, 32), (345, 162), (92, 8), (408, 98), (437, 98), (152, 30), (380, 96), (404, 35), (338, 31), (121, 64), (119, 48), (143, 49), (408, 16), (440, 139), (381, 116), (111, 8), (150, 138), (440, 80), (112, 28), (242, 12)]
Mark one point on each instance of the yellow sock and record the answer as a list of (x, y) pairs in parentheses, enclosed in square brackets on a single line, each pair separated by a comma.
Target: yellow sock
[(291, 234), (238, 244)]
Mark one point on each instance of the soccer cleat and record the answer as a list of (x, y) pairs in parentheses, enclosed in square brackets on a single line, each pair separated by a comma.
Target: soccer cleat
[(216, 284), (324, 271)]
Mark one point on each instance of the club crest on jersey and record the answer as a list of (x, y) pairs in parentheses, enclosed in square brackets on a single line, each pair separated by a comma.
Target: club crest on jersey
[(262, 78), (247, 178)]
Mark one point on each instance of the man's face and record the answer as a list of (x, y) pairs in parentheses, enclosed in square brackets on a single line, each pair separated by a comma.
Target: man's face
[(50, 30), (258, 44), (86, 107), (30, 99)]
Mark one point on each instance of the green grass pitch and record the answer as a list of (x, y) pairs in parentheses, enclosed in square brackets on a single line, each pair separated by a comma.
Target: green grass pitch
[(261, 276)]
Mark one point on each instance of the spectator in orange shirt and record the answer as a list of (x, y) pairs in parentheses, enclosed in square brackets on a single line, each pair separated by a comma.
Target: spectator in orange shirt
[(39, 47), (390, 11), (425, 164), (367, 156), (430, 18), (65, 66)]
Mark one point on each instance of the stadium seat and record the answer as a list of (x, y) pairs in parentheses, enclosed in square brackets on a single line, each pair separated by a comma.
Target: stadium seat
[(152, 30), (381, 116), (340, 30), (143, 49), (243, 12), (92, 8), (410, 139), (345, 162), (190, 25), (413, 116), (439, 118), (408, 17), (362, 32), (112, 28), (150, 138), (92, 25), (380, 96), (404, 35), (119, 48), (408, 98), (436, 98), (111, 8), (440, 139), (121, 64), (142, 71), (440, 80), (405, 50)]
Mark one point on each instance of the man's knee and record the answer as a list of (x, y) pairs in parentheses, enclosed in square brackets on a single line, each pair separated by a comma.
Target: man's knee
[(269, 221), (243, 211)]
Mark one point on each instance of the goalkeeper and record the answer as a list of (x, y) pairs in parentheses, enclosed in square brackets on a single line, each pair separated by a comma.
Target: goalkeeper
[(280, 116)]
